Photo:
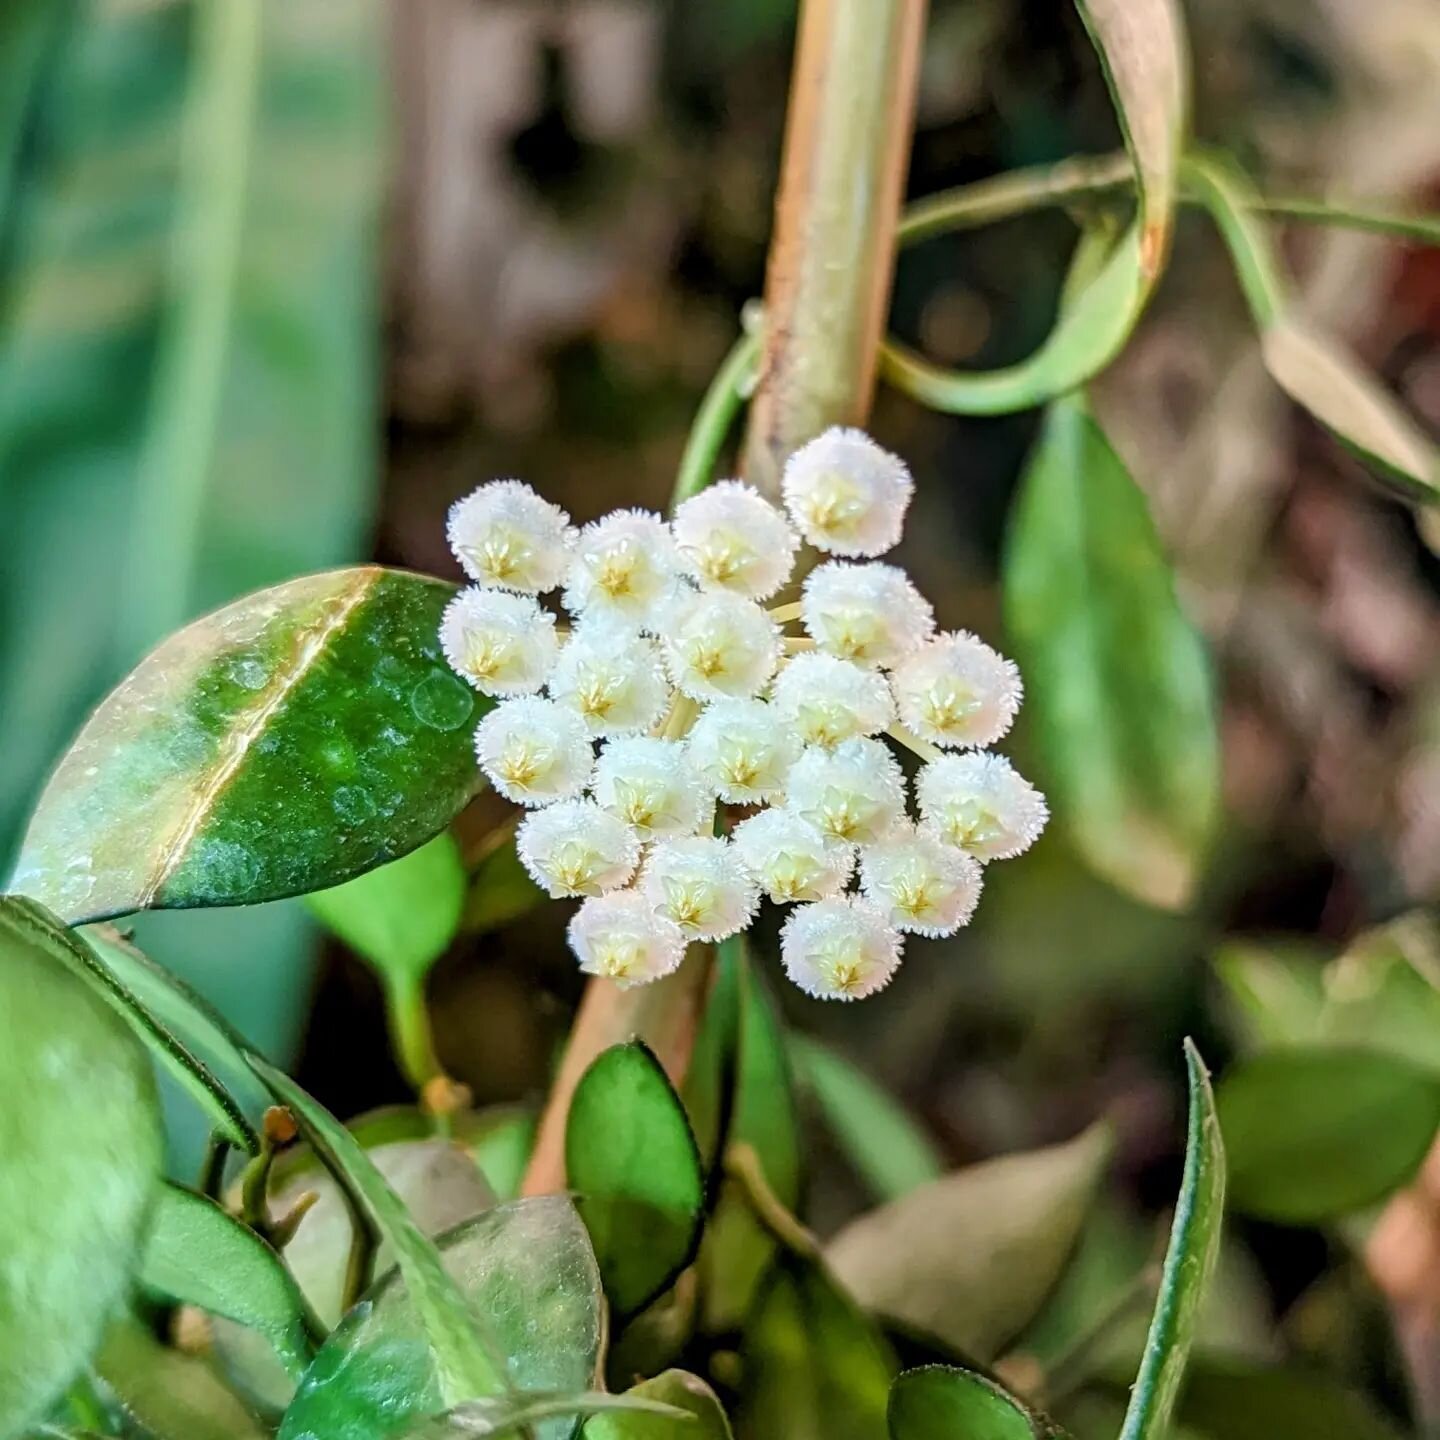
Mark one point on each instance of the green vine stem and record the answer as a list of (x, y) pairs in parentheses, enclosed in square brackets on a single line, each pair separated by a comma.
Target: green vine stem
[(410, 1035), (733, 384)]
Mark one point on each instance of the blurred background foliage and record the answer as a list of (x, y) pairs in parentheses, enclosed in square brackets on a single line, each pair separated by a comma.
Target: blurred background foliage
[(281, 280)]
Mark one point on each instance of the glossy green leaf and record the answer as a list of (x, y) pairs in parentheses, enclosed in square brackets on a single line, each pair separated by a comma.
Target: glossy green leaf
[(510, 1415), (1235, 1402), (80, 1137), (1317, 1132), (884, 1144), (632, 1162), (501, 891), (1141, 44), (815, 1366), (1189, 1262), (198, 1254), (971, 1257), (704, 1418), (529, 1276), (938, 1402), (1119, 682), (464, 1364), (286, 743), (402, 916)]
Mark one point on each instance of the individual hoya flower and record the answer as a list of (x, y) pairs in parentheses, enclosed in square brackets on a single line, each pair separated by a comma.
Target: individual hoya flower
[(956, 690), (611, 677), (825, 700), (854, 793), (978, 801), (732, 538), (576, 848), (649, 784), (720, 646), (620, 936), (871, 614), (790, 858), (923, 885), (534, 751), (742, 751), (847, 495), (701, 885), (839, 949), (624, 568), (506, 536), (502, 644)]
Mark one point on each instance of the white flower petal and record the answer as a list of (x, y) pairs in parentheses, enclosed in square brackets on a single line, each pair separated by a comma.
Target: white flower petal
[(923, 885), (620, 936), (701, 885), (534, 752), (650, 785), (720, 646), (741, 751), (502, 644), (854, 793), (731, 538), (839, 949), (978, 802), (870, 614), (506, 536), (576, 848), (625, 568), (956, 691), (847, 495), (825, 700), (790, 858)]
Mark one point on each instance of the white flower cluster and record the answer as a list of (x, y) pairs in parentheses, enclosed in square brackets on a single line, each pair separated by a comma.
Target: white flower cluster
[(697, 697)]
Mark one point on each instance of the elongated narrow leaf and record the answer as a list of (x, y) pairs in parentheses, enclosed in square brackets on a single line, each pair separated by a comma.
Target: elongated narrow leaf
[(198, 1254), (1189, 1263), (701, 1415), (633, 1164), (464, 1365), (1119, 682), (1316, 1132), (288, 742), (529, 1275), (884, 1144), (512, 1414), (971, 1257), (1141, 44), (937, 1402), (80, 1137)]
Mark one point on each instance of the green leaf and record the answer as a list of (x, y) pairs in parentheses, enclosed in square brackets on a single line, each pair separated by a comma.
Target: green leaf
[(1120, 689), (403, 916), (1317, 1132), (970, 1258), (464, 1365), (512, 1414), (529, 1275), (288, 742), (501, 891), (80, 1137), (815, 1366), (632, 1161), (937, 1402), (198, 1254), (885, 1145), (1142, 49), (1235, 1402), (501, 1139), (1189, 1263), (704, 1419)]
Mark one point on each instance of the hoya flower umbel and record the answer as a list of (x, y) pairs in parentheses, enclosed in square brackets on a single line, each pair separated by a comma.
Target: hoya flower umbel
[(701, 700)]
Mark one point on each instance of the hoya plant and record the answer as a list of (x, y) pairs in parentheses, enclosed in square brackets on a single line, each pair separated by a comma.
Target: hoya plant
[(738, 748)]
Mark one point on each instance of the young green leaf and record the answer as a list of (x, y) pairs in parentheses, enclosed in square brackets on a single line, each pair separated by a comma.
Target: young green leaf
[(1020, 1215), (464, 1364), (80, 1137), (885, 1145), (527, 1270), (632, 1161), (701, 1416), (511, 1415), (1189, 1263), (938, 1402), (1119, 682), (286, 743), (1317, 1132)]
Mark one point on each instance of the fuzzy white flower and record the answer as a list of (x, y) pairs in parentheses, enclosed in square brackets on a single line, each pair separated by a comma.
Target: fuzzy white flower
[(846, 494), (534, 752), (871, 614), (732, 538), (839, 949), (956, 691), (611, 677), (790, 858), (649, 784), (506, 536), (854, 793), (826, 700), (625, 568), (978, 801), (742, 751), (924, 885), (576, 848), (620, 936), (720, 646), (502, 644), (701, 885)]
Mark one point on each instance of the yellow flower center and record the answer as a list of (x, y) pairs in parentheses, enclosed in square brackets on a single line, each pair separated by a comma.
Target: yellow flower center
[(521, 763), (617, 570), (618, 957), (947, 704), (487, 655), (834, 504), (723, 556)]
